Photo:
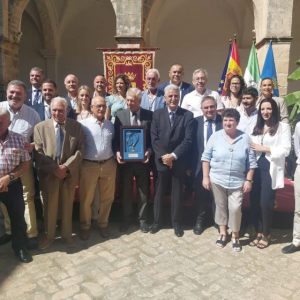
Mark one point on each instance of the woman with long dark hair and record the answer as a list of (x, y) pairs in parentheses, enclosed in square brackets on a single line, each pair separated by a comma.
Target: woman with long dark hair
[(271, 139)]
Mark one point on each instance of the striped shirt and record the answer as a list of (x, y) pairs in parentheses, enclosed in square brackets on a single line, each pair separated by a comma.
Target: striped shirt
[(12, 153)]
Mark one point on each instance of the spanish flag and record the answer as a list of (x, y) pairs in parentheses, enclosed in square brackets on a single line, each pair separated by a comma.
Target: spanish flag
[(233, 65)]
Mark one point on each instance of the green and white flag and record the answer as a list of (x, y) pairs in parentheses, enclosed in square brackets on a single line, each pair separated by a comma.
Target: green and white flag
[(252, 74)]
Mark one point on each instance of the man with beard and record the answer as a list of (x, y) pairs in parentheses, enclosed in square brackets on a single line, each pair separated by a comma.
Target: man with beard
[(192, 101), (100, 85)]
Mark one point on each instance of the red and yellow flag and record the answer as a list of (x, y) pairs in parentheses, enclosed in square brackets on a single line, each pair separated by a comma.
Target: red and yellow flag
[(234, 67)]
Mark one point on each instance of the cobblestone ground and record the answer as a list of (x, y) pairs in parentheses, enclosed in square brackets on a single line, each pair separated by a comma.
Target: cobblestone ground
[(160, 266)]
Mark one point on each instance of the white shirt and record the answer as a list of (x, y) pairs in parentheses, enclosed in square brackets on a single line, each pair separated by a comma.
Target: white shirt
[(247, 123), (192, 101), (297, 142), (137, 117), (97, 139), (33, 93), (23, 121)]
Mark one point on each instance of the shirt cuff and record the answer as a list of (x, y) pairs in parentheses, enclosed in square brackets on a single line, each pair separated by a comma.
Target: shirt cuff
[(174, 155)]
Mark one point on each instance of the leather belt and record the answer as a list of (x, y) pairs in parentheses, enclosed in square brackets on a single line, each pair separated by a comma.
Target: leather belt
[(98, 161)]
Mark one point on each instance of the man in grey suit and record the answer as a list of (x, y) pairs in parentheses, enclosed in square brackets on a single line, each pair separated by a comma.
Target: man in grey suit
[(59, 148), (134, 115)]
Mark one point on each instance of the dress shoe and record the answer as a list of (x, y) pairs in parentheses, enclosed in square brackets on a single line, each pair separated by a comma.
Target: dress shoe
[(45, 243), (23, 255), (290, 249), (5, 238), (144, 226), (32, 243), (199, 228), (84, 234), (124, 226), (69, 242), (154, 228), (178, 231), (104, 232)]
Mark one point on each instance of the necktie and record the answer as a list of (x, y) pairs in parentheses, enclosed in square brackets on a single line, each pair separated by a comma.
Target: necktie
[(172, 118), (134, 119), (36, 97), (59, 141), (209, 129)]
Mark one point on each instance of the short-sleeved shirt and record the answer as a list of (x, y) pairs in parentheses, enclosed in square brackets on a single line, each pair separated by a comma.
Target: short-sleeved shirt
[(12, 153), (115, 103)]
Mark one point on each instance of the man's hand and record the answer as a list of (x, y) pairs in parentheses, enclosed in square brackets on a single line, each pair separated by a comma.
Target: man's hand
[(168, 159), (4, 182), (29, 146), (247, 187), (119, 158), (147, 156), (61, 172)]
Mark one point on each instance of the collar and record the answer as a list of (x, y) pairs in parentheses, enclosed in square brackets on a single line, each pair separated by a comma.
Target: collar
[(174, 111), (17, 112), (205, 119)]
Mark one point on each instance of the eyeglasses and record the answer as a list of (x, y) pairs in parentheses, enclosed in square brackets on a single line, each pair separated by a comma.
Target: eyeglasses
[(99, 106)]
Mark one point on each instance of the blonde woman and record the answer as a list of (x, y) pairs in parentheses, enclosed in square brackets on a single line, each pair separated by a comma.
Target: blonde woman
[(83, 110)]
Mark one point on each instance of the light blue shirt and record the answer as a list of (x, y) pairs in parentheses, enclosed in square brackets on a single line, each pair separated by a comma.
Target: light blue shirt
[(229, 163), (152, 103), (98, 139)]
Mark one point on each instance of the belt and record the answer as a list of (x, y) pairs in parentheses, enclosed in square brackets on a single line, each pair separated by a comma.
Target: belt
[(98, 161)]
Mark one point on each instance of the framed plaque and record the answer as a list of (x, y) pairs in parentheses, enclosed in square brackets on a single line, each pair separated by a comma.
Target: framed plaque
[(133, 143)]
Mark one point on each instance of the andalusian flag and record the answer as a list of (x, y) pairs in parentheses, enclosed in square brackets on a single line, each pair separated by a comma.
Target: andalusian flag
[(252, 75), (233, 65), (269, 69)]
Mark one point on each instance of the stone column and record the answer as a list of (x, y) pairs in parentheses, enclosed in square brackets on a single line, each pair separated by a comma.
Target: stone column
[(51, 63), (129, 23), (273, 21)]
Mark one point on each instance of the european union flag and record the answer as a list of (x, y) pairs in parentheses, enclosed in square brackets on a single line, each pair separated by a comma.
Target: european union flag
[(269, 69), (223, 77)]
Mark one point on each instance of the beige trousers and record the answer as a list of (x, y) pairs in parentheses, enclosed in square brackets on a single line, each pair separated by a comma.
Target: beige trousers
[(92, 175), (296, 231)]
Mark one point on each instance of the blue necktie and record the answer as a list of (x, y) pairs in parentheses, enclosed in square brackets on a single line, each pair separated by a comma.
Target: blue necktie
[(59, 141), (172, 118), (209, 129), (36, 97)]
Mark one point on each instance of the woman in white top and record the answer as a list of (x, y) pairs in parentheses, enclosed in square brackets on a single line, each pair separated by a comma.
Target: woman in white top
[(271, 139), (234, 88), (83, 109)]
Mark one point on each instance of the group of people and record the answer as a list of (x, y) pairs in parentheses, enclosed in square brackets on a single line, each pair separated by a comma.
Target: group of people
[(222, 147)]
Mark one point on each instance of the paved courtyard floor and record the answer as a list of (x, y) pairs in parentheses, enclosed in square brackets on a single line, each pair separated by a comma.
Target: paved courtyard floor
[(145, 266)]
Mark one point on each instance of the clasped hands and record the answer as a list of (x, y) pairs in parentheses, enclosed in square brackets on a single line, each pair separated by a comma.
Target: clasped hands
[(167, 160)]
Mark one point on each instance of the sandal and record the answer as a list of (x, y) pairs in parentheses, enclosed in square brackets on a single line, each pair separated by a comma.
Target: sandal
[(236, 245), (255, 242), (264, 242), (221, 241)]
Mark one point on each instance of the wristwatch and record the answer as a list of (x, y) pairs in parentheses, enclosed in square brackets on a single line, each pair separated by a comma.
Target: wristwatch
[(249, 180), (11, 176)]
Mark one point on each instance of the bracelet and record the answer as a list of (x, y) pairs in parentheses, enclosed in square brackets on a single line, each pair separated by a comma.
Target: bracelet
[(249, 180)]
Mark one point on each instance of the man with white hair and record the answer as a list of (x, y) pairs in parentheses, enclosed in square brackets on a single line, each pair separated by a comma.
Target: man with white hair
[(192, 101), (152, 98), (59, 148)]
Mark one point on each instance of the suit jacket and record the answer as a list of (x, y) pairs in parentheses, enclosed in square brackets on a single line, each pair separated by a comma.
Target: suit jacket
[(198, 143), (185, 88), (45, 146), (38, 107), (167, 139), (123, 119)]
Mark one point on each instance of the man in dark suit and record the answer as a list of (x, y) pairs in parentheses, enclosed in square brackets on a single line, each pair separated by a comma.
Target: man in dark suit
[(176, 74), (59, 144), (34, 94), (171, 135), (134, 115), (204, 126)]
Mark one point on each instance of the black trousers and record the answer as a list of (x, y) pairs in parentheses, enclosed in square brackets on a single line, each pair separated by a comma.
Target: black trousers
[(141, 173), (262, 198), (205, 204), (162, 185), (14, 202)]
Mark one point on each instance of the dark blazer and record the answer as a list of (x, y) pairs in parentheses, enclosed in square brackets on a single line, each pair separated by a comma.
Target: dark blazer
[(198, 143), (167, 139), (123, 119), (38, 107), (185, 89)]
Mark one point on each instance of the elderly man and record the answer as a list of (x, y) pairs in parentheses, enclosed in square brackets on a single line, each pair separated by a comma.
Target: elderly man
[(134, 115), (34, 94), (266, 91), (100, 85), (71, 84), (98, 169), (23, 119), (248, 110), (192, 101), (152, 98), (171, 135), (205, 126), (59, 147), (176, 75), (14, 159)]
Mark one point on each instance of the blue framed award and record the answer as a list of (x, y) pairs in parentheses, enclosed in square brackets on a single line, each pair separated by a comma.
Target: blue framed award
[(133, 143)]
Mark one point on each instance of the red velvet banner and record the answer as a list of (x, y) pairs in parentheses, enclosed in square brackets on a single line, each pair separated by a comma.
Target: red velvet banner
[(134, 63)]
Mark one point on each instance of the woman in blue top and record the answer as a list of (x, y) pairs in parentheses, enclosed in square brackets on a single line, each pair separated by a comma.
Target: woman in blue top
[(228, 165), (117, 101)]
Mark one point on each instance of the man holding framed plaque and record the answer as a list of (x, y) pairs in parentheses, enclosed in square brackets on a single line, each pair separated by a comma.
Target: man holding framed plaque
[(171, 135), (133, 150)]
